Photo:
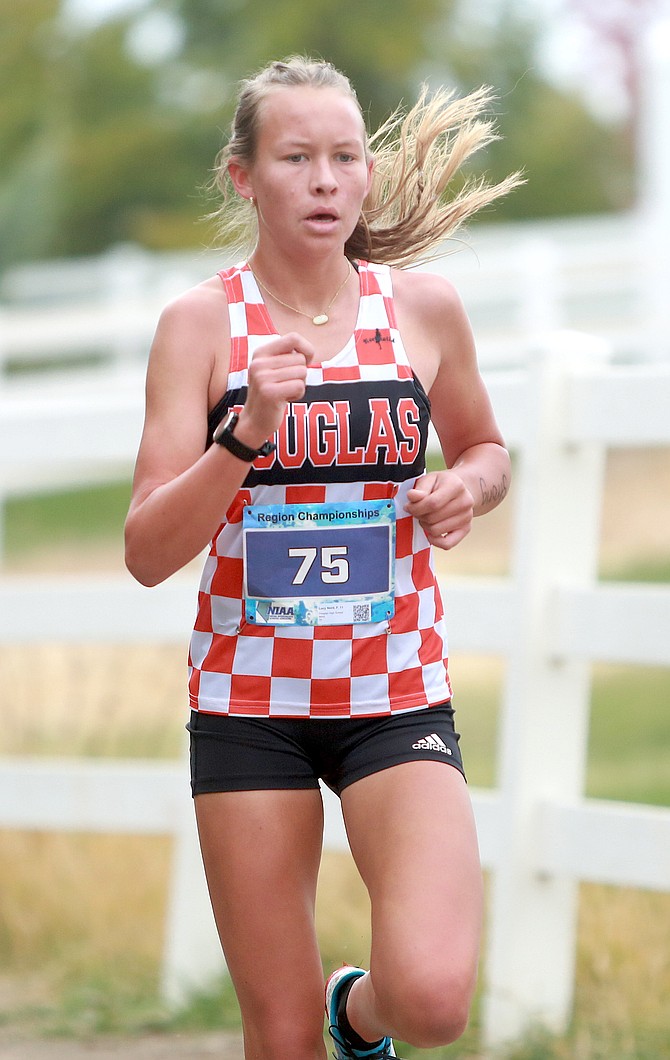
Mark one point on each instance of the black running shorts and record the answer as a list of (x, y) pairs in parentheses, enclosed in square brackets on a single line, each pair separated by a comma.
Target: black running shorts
[(230, 753)]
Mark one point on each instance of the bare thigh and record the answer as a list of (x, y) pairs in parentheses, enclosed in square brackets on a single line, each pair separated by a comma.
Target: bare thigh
[(261, 851), (412, 834)]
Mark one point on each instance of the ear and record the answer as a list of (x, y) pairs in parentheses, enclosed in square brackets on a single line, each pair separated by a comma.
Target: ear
[(371, 166), (240, 178)]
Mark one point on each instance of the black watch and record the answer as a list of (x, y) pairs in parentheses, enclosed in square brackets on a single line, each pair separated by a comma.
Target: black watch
[(223, 435)]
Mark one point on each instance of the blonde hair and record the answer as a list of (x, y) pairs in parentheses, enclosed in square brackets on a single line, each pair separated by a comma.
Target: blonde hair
[(408, 213)]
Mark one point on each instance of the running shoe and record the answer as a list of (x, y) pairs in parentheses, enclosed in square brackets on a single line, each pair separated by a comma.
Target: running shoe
[(343, 1049)]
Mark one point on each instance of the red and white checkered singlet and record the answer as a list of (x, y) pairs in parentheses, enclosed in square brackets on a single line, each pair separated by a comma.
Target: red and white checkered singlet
[(359, 434)]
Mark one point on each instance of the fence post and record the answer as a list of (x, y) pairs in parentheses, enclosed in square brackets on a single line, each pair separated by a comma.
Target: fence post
[(541, 293), (544, 725)]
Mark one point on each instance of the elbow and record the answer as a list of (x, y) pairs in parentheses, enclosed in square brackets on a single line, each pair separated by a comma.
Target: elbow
[(141, 562), (141, 571), (147, 578)]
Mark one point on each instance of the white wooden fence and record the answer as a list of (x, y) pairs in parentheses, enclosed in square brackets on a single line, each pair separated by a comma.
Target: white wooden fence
[(550, 619), (589, 274)]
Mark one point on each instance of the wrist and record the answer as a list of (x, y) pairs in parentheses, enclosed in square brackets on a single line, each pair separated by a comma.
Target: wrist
[(238, 439), (487, 482), (248, 432)]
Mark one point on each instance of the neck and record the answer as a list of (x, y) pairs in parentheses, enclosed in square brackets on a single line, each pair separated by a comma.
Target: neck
[(300, 280), (302, 291)]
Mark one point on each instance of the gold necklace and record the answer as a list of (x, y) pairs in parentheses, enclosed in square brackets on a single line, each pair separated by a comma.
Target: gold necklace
[(320, 318)]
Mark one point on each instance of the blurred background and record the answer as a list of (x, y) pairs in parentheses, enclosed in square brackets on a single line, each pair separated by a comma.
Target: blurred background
[(111, 115), (113, 110)]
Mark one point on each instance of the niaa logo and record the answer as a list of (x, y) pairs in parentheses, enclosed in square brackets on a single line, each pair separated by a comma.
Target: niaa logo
[(274, 613)]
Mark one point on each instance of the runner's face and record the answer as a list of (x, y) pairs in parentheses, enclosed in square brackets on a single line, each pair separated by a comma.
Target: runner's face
[(311, 172)]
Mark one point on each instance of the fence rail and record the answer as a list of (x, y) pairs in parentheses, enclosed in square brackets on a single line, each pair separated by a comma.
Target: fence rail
[(591, 274), (550, 619), (82, 429)]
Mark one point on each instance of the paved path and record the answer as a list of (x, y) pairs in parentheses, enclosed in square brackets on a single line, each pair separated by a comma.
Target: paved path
[(223, 1046)]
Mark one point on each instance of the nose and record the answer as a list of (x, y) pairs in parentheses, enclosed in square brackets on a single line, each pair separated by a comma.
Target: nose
[(324, 180)]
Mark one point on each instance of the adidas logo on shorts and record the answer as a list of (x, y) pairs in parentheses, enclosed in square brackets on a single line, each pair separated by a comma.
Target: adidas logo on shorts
[(432, 743)]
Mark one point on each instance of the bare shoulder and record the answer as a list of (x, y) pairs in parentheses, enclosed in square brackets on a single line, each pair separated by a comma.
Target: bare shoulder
[(191, 342), (427, 294), (188, 347), (433, 324), (200, 310)]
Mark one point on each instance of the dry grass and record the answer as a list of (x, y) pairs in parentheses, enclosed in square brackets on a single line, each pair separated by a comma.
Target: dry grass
[(81, 931), (75, 904), (85, 699), (623, 970)]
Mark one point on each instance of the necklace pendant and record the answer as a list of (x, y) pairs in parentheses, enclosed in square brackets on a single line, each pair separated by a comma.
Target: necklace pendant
[(320, 318)]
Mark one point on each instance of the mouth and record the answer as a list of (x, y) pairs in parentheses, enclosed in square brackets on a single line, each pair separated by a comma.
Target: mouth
[(323, 216)]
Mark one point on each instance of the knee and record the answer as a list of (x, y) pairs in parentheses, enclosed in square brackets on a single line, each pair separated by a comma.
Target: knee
[(428, 1011)]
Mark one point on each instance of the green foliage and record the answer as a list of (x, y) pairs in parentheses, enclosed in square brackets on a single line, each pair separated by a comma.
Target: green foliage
[(209, 1010), (26, 72), (378, 44), (74, 516), (629, 730), (572, 164), (102, 143), (629, 734), (32, 129)]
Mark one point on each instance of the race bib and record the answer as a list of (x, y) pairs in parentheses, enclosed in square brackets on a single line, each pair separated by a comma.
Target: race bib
[(319, 564)]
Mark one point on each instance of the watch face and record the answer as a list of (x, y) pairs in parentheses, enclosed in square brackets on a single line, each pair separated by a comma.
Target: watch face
[(226, 424)]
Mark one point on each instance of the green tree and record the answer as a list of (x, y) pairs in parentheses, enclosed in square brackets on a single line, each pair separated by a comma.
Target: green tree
[(378, 43), (134, 158), (94, 152), (103, 140), (573, 163), (32, 130)]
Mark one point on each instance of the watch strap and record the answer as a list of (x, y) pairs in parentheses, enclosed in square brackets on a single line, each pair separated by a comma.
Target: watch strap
[(223, 435)]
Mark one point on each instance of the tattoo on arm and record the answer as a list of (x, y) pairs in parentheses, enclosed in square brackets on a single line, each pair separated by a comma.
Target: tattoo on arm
[(492, 495)]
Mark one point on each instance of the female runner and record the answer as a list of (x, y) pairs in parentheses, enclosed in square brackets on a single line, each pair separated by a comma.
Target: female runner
[(288, 404)]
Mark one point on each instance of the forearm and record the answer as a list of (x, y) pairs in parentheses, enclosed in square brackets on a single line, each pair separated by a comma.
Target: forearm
[(486, 472), (175, 521)]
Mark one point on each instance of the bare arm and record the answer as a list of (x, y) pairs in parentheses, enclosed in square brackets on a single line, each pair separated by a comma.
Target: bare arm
[(478, 471), (181, 491)]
